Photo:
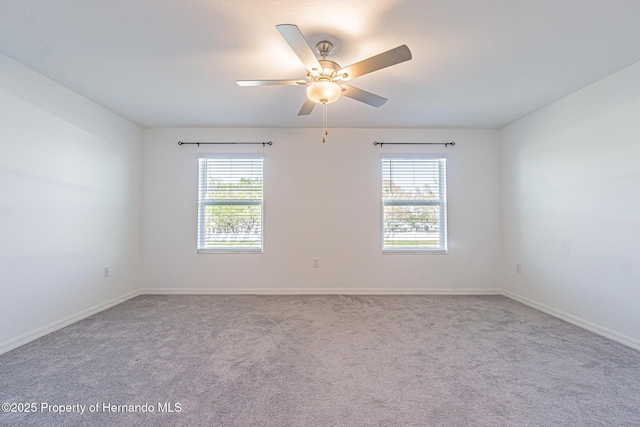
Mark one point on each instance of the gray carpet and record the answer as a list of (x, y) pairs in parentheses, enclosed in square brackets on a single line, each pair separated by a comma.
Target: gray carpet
[(323, 361)]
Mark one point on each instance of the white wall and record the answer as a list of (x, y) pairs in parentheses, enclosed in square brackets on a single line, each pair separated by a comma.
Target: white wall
[(321, 200), (70, 185), (571, 207)]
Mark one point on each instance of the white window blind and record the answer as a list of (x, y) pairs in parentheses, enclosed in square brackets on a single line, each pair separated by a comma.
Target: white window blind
[(230, 205), (414, 204)]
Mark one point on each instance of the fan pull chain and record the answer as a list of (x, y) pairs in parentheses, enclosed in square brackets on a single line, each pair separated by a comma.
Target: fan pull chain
[(325, 120)]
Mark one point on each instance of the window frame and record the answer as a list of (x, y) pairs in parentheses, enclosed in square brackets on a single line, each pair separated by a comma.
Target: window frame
[(202, 205), (441, 202)]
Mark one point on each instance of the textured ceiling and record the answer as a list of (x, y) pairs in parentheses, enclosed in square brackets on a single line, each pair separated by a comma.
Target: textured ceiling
[(168, 63)]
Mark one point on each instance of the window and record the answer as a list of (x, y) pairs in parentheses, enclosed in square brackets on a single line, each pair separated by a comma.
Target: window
[(230, 204), (414, 209)]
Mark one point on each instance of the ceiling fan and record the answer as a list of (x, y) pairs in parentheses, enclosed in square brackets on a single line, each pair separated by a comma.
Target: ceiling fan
[(325, 80)]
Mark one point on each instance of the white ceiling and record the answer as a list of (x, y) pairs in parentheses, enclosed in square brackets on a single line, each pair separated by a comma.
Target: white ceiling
[(170, 63)]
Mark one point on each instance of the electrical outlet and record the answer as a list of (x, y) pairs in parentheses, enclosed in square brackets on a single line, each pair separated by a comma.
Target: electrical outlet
[(106, 271), (315, 263), (518, 268)]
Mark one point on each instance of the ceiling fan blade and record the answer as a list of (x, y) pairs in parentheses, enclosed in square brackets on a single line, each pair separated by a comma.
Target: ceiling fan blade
[(300, 46), (307, 107), (363, 96), (270, 82), (377, 62)]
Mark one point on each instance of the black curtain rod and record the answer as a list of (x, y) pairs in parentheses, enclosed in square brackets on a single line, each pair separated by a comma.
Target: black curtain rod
[(446, 144), (225, 143)]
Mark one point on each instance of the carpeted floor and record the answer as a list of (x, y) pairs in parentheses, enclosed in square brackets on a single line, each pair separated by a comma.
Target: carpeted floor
[(321, 361)]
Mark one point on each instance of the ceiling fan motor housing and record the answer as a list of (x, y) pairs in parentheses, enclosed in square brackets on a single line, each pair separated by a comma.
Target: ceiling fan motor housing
[(329, 68)]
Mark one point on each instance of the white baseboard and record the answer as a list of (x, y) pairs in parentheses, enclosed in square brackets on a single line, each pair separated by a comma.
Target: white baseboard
[(316, 291), (52, 327), (597, 329)]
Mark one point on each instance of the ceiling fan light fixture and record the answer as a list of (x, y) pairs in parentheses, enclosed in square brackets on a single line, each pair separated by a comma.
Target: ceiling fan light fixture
[(324, 92)]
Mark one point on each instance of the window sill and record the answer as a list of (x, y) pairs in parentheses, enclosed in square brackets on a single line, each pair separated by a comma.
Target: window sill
[(229, 251), (414, 252)]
